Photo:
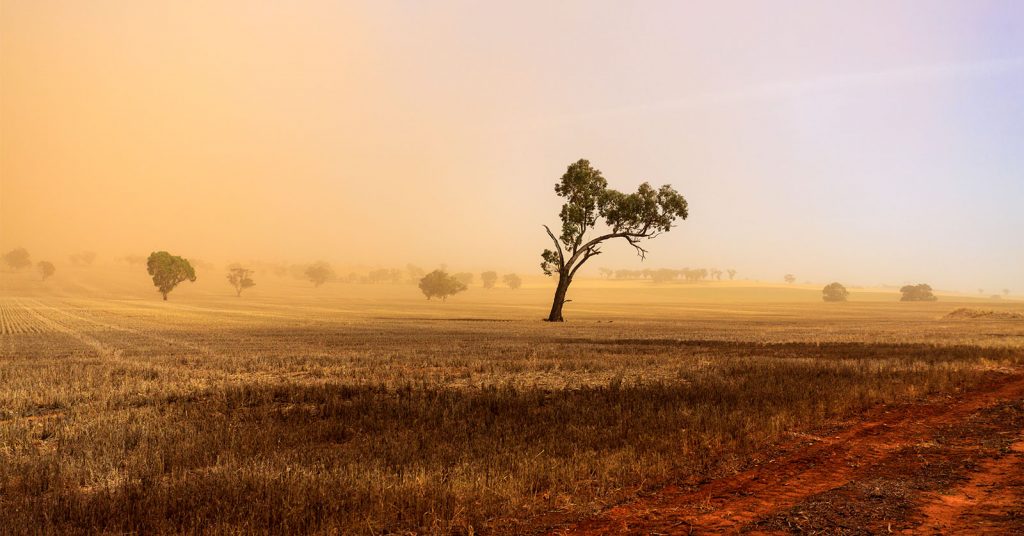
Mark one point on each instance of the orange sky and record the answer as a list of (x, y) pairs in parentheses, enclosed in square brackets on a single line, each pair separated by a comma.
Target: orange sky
[(394, 132)]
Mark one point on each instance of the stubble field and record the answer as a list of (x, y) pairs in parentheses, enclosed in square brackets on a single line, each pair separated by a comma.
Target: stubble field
[(367, 409)]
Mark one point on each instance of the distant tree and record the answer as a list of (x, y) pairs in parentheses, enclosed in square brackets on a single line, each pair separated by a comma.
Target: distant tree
[(716, 273), (981, 291), (465, 278), (790, 278), (1006, 292), (240, 278), (834, 292), (438, 284), (83, 258), (633, 217), (489, 279), (414, 272), (732, 273), (319, 273), (168, 270), (17, 258), (920, 292), (606, 272), (513, 281), (664, 275), (384, 275), (46, 268)]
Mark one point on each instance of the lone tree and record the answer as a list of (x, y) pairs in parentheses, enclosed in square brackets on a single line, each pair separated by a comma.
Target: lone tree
[(319, 273), (834, 292), (732, 273), (438, 284), (513, 281), (489, 279), (240, 278), (46, 268), (790, 278), (1006, 292), (17, 258), (920, 292), (168, 270), (633, 217)]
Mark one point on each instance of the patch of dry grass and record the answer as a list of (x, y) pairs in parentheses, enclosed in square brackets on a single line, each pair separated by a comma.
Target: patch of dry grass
[(226, 416)]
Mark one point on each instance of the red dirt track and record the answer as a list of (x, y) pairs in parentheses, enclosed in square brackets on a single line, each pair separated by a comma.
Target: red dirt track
[(818, 483)]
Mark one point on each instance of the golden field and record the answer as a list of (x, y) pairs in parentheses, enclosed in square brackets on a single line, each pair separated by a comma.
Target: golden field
[(367, 409)]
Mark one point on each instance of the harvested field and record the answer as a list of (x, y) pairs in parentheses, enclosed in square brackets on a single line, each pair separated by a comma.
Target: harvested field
[(365, 409)]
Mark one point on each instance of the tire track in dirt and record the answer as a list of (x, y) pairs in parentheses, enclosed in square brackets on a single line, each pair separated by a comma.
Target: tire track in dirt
[(729, 504), (993, 494)]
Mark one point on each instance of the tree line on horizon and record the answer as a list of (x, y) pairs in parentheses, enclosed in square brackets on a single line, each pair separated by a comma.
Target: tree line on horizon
[(662, 275)]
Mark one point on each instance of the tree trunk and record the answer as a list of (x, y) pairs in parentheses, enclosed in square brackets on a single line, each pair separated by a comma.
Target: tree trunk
[(165, 295), (560, 292)]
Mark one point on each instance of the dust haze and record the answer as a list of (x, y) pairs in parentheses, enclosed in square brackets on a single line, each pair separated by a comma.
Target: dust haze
[(381, 134)]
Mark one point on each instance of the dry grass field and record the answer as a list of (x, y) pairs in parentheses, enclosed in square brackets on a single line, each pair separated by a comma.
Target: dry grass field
[(365, 409)]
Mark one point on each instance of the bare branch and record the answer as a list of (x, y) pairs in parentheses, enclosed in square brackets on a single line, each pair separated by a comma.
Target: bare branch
[(561, 256)]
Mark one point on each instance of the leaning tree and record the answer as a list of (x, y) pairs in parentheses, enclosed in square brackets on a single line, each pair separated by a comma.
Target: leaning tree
[(633, 217), (168, 270)]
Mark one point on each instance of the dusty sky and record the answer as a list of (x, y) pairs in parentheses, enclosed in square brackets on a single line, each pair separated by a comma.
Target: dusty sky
[(867, 142)]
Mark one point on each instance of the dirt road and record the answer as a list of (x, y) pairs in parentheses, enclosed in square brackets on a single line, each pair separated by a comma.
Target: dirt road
[(950, 466)]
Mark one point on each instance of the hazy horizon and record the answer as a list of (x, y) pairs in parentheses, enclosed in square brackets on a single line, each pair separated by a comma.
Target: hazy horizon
[(864, 142)]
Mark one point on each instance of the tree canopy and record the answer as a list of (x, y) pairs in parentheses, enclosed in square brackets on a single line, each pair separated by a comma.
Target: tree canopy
[(319, 273), (488, 279), (17, 258), (633, 217), (46, 269), (834, 292), (168, 270), (240, 278), (438, 284), (921, 292), (513, 281)]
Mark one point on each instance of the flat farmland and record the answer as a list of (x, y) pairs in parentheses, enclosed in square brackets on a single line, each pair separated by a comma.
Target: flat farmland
[(367, 409)]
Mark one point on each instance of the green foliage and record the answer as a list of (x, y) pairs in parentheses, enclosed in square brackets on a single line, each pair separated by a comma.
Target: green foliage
[(17, 258), (438, 284), (319, 273), (46, 269), (489, 278), (640, 215), (240, 278), (920, 292), (168, 270), (633, 217), (834, 292), (513, 281)]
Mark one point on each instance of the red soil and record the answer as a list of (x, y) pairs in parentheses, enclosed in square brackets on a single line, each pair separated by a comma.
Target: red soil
[(988, 499)]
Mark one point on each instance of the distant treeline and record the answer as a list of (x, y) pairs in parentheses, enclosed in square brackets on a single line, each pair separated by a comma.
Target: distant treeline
[(663, 275)]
